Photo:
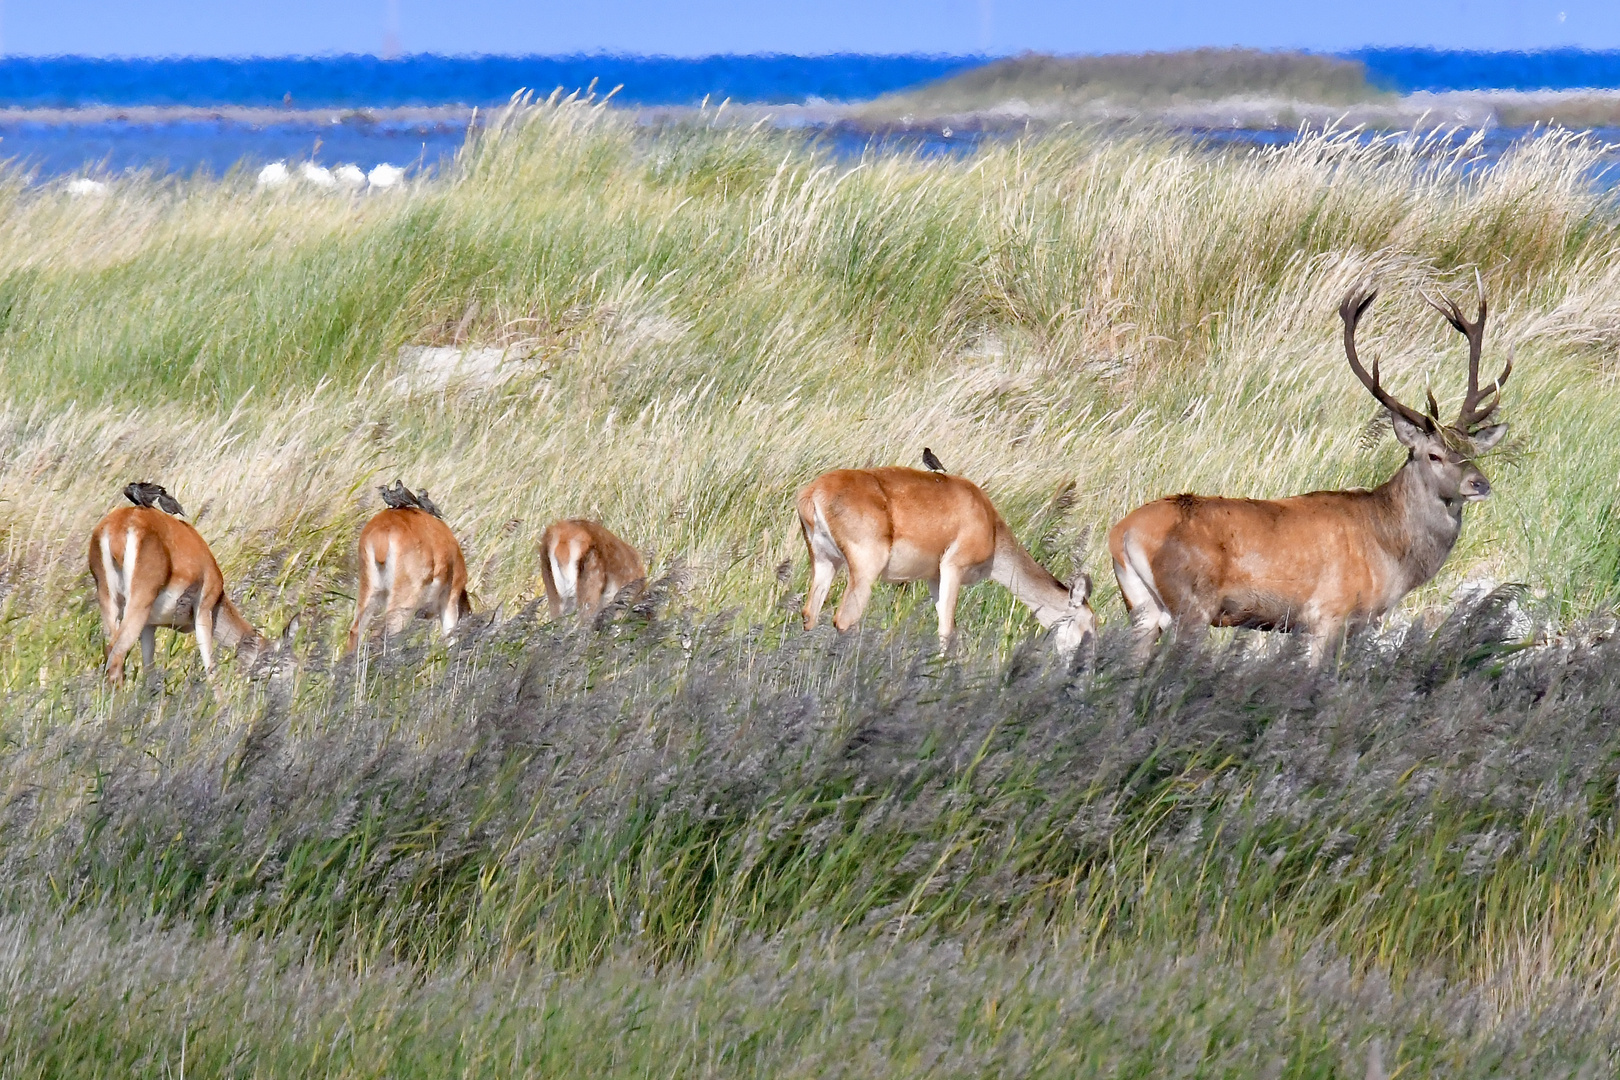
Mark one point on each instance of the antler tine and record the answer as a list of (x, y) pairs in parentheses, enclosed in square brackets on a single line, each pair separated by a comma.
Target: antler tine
[(1355, 305), (1472, 414)]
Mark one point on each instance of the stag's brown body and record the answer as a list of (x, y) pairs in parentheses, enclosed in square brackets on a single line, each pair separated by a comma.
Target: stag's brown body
[(154, 570), (898, 524), (410, 567), (1323, 562), (584, 566)]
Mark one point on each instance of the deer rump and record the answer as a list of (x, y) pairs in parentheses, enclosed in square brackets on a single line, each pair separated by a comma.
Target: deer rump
[(411, 567), (584, 566)]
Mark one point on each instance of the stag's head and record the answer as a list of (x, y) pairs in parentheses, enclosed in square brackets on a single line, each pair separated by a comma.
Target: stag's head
[(1441, 455)]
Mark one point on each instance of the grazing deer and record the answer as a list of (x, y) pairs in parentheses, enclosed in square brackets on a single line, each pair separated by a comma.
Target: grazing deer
[(584, 566), (902, 524), (1330, 561), (410, 567), (152, 569)]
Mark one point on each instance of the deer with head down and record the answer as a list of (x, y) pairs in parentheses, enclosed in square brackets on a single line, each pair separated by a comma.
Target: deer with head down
[(152, 569), (899, 524), (1329, 561)]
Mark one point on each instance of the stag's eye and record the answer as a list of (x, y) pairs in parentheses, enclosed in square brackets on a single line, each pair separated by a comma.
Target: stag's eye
[(1436, 458)]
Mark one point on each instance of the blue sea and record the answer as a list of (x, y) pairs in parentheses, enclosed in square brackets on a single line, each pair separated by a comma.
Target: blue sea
[(113, 144)]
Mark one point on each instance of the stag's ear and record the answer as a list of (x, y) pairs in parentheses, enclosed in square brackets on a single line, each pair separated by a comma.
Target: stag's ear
[(1487, 437), (1407, 432)]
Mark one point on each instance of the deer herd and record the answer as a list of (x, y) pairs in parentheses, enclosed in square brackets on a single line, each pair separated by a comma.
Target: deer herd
[(1323, 563)]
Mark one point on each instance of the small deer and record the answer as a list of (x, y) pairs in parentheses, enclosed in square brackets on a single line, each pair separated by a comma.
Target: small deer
[(152, 569), (410, 567), (1329, 561), (902, 524), (584, 566)]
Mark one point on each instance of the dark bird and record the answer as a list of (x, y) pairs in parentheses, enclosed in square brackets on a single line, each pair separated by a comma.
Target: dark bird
[(426, 503), (142, 493), (399, 497), (933, 463)]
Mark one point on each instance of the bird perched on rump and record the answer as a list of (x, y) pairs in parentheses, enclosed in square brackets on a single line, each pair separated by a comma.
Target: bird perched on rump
[(400, 497), (142, 493), (933, 463)]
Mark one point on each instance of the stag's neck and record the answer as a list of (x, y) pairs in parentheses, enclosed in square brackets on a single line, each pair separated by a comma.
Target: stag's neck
[(1027, 579), (1414, 525)]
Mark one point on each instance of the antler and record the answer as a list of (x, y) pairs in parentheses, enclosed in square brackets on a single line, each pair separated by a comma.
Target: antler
[(1472, 415), (1354, 306)]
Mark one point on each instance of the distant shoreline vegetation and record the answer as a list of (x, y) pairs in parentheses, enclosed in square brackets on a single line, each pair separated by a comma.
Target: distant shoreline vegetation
[(354, 81)]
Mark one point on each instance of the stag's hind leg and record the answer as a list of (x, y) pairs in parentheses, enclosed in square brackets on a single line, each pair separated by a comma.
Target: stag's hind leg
[(452, 613), (203, 623), (945, 592), (148, 648), (1150, 615)]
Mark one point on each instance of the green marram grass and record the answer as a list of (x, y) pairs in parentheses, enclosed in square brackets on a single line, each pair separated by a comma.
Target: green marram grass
[(696, 841)]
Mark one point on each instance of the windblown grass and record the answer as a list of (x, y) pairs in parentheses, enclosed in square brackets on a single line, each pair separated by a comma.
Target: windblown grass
[(452, 849), (588, 852)]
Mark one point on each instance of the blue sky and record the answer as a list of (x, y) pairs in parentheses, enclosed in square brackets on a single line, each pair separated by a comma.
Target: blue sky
[(695, 27)]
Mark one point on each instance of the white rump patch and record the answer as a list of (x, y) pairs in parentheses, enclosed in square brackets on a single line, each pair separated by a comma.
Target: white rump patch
[(821, 539), (565, 575)]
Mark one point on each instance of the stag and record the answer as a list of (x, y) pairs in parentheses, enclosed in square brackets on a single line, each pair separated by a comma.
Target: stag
[(1327, 562)]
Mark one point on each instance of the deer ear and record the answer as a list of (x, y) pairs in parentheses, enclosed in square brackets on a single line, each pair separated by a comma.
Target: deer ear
[(1487, 437), (1409, 434), (1081, 590)]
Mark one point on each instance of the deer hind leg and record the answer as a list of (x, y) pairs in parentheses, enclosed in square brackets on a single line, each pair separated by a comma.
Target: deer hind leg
[(109, 593), (591, 585), (403, 606), (564, 580), (1327, 638), (370, 606), (203, 624), (148, 648), (825, 559), (864, 571), (1150, 615), (373, 597), (132, 628)]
